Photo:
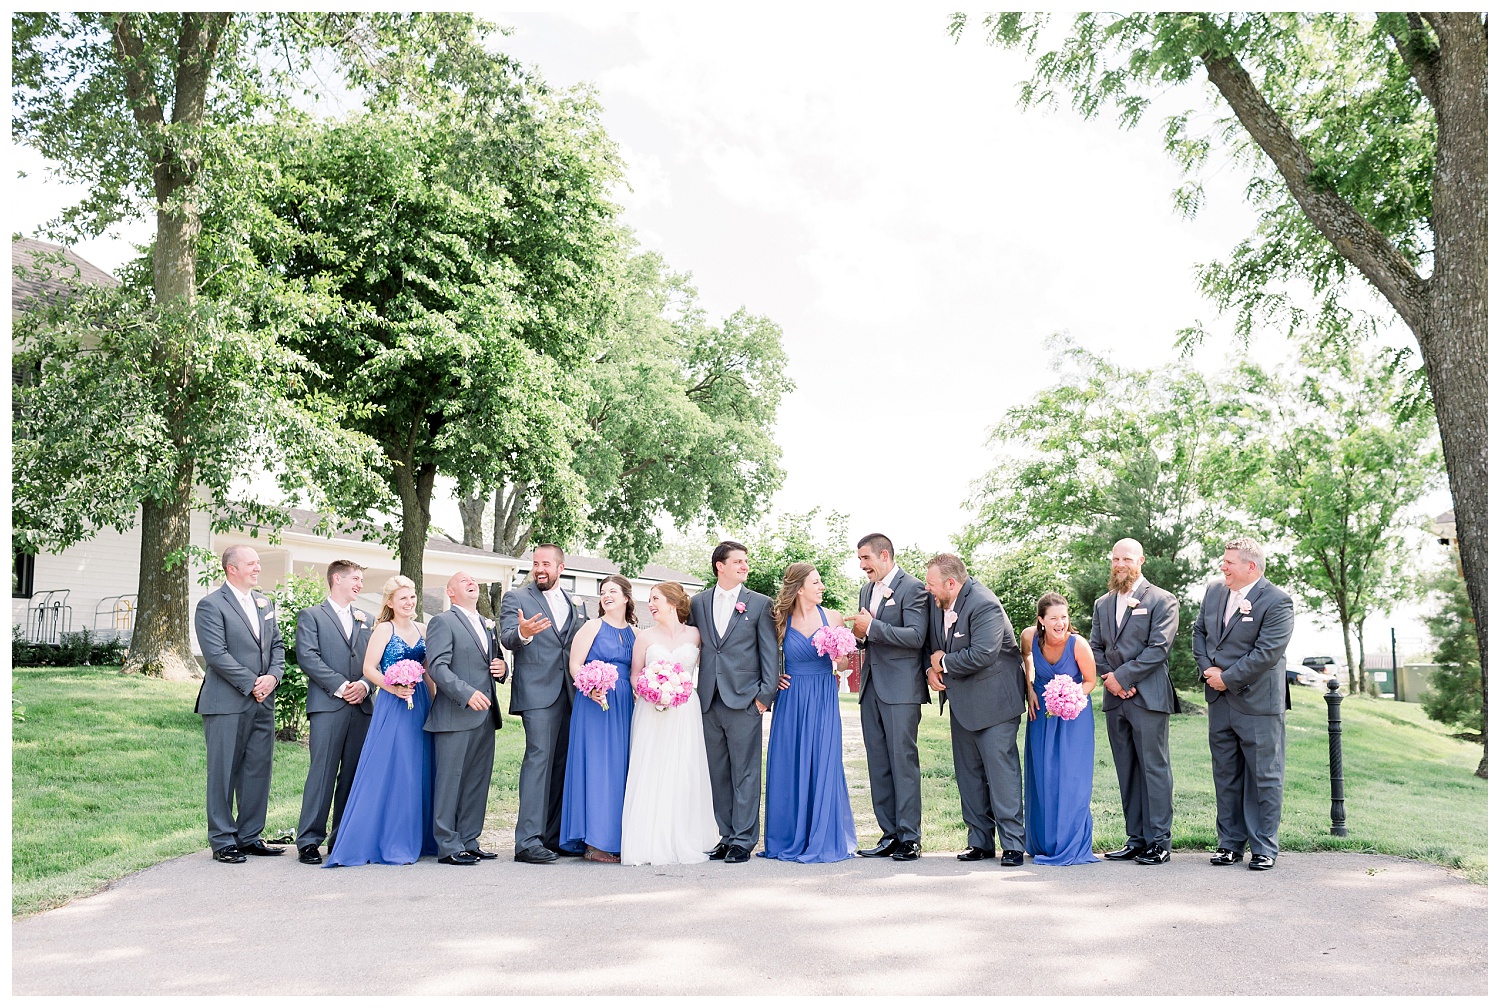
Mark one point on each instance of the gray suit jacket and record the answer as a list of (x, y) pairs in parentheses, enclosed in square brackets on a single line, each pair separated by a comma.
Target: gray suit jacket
[(540, 672), (895, 646), (329, 658), (745, 664), (1136, 649), (982, 665), (459, 663), (1251, 651), (234, 657)]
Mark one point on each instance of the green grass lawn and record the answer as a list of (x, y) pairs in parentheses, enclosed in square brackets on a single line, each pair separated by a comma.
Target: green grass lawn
[(108, 778)]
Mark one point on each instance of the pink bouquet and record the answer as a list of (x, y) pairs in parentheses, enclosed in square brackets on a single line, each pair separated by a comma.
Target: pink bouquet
[(834, 642), (406, 672), (597, 678), (665, 684), (1064, 698)]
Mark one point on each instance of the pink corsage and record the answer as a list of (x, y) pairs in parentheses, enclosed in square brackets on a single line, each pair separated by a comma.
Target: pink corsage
[(739, 607)]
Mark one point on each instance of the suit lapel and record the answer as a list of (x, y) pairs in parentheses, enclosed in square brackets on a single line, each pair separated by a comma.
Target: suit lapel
[(706, 622), (239, 610), (734, 620), (963, 595), (470, 627), (338, 624), (1221, 626)]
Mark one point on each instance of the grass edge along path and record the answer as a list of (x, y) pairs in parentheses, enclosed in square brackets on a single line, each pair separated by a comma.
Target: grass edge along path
[(108, 778)]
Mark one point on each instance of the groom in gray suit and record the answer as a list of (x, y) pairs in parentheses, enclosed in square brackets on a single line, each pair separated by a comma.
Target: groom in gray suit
[(1239, 642), (1134, 626), (542, 693), (331, 639), (976, 665), (463, 659), (892, 630), (236, 628), (737, 676)]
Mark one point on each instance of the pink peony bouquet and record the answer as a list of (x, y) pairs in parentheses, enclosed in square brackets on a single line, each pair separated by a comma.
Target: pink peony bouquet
[(597, 678), (1064, 698), (665, 684), (406, 672), (834, 642)]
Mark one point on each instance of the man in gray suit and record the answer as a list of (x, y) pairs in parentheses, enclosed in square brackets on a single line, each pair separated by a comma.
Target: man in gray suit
[(1134, 626), (1239, 642), (976, 664), (542, 693), (464, 661), (331, 639), (236, 628), (892, 630), (738, 670)]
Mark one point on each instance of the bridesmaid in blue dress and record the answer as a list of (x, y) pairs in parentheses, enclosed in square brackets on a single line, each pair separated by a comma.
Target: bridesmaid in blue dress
[(388, 818), (593, 800), (1059, 754), (808, 818)]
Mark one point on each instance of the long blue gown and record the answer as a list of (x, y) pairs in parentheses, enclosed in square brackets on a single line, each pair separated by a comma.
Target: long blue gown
[(388, 818), (1059, 772), (593, 801), (808, 818)]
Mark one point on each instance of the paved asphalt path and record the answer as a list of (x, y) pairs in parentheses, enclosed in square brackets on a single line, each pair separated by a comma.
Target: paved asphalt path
[(1317, 924)]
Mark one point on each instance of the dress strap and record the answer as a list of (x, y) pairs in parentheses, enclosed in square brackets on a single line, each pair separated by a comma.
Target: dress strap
[(823, 614)]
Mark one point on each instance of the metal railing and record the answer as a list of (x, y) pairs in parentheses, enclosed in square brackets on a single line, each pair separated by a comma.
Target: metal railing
[(49, 616)]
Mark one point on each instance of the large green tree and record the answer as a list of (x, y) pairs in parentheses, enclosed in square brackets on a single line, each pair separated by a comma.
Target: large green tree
[(1455, 697), (146, 111), (676, 421), (465, 267), (1104, 454), (1329, 466), (1369, 138)]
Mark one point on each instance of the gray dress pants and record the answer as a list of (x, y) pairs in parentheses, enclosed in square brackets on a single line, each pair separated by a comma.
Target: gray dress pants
[(463, 762), (240, 749), (539, 819), (987, 764), (733, 740), (335, 739), (890, 734), (1143, 765), (1249, 755)]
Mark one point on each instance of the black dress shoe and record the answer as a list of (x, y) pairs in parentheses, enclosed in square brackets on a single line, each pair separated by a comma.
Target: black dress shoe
[(463, 857), (906, 850), (536, 855), (1012, 858), (882, 849), (736, 854), (1127, 853), (1226, 856), (229, 855), (481, 854), (309, 854), (1155, 854), (561, 852), (259, 849), (1262, 862), (717, 854), (975, 854)]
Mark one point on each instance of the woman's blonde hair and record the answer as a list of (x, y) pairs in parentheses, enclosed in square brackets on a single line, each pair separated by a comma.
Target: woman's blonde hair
[(786, 600), (388, 592)]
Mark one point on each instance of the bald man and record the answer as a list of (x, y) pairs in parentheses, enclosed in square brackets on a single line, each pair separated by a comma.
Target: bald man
[(463, 659), (1134, 626)]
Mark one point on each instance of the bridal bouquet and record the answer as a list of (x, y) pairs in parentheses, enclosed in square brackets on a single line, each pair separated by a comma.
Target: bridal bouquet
[(597, 678), (665, 684), (1064, 698), (834, 642), (406, 672)]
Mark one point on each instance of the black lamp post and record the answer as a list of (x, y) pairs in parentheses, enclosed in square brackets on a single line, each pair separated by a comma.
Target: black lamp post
[(1335, 701)]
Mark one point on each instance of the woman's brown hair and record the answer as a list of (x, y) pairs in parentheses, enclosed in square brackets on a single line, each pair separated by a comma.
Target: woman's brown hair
[(1044, 603), (677, 598), (624, 583), (786, 599)]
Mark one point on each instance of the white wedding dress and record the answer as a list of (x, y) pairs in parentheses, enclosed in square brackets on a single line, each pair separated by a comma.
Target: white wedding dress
[(669, 806)]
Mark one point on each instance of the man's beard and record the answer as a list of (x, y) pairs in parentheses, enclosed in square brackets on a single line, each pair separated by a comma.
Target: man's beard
[(1121, 583)]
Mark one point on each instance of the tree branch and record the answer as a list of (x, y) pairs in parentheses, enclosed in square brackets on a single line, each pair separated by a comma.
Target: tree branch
[(1355, 238), (1420, 57), (197, 41), (140, 89)]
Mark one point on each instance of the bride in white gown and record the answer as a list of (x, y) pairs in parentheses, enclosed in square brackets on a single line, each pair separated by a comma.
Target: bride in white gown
[(669, 808)]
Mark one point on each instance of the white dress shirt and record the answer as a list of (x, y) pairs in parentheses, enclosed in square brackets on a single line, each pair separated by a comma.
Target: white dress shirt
[(724, 600), (1120, 601), (247, 603), (345, 615), (472, 615), (876, 598)]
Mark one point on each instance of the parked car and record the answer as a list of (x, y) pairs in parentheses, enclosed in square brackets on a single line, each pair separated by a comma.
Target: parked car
[(1315, 671)]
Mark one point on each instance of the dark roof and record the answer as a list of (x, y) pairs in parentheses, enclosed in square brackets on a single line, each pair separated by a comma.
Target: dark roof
[(42, 277), (1446, 518), (599, 565)]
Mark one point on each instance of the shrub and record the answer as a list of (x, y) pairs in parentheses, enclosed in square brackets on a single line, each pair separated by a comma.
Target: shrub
[(292, 596), (79, 647)]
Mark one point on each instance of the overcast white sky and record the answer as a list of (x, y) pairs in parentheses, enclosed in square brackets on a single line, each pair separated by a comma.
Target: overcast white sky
[(872, 187)]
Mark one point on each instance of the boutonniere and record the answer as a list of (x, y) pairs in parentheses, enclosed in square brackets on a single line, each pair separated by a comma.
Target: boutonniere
[(489, 624), (260, 602), (1131, 601), (739, 607), (1245, 606), (885, 591)]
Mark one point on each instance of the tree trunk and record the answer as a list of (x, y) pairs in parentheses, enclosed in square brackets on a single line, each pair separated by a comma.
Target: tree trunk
[(415, 491), (471, 511), (1356, 670), (159, 646), (512, 520)]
